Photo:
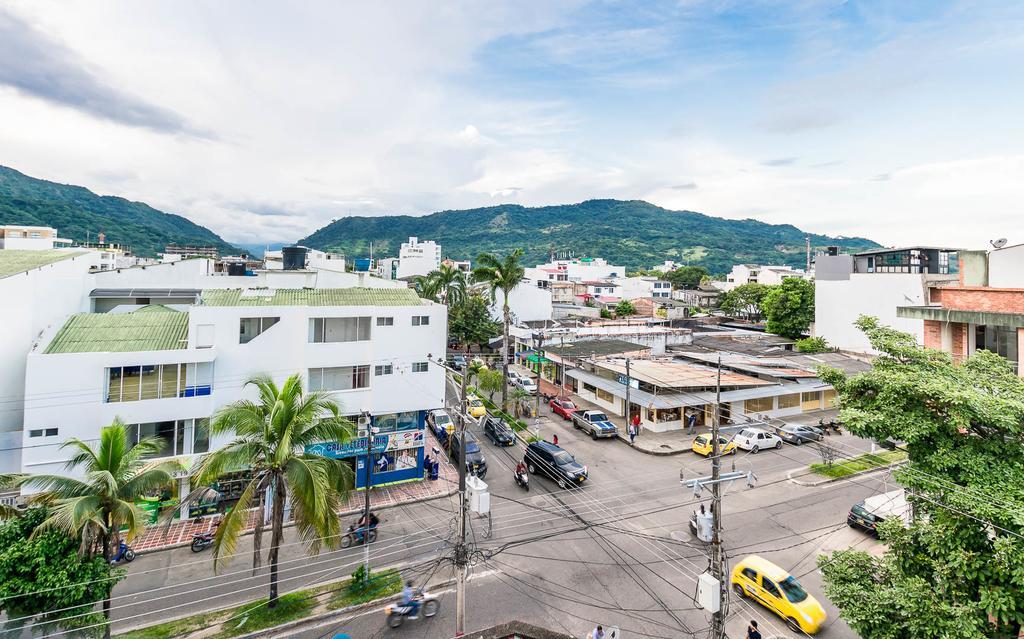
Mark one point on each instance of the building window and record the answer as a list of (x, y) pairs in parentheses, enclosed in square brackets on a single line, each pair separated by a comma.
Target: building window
[(339, 378), (43, 432), (1001, 340), (589, 387), (789, 401), (339, 329), (419, 367), (383, 369), (181, 437), (810, 401), (420, 320), (385, 321), (759, 405), (249, 328), (605, 395), (831, 398), (160, 381), (201, 436)]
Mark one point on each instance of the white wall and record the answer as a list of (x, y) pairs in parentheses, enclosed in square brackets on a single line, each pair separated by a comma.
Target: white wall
[(418, 258), (527, 303), (1006, 267), (838, 304)]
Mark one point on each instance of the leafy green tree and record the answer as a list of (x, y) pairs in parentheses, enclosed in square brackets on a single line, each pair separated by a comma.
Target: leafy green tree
[(789, 307), (471, 323), (44, 571), (501, 274), (686, 277), (958, 571), (95, 509), (625, 308), (813, 345), (271, 434), (605, 313), (745, 300), (490, 381)]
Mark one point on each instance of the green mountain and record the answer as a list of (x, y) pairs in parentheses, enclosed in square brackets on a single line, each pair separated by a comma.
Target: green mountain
[(632, 233), (79, 214)]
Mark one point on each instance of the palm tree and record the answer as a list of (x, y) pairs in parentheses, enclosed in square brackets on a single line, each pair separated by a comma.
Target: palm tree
[(504, 275), (522, 402), (95, 509), (450, 284), (426, 287), (270, 438)]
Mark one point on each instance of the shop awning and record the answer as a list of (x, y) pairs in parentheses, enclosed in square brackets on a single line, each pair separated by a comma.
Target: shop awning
[(533, 359)]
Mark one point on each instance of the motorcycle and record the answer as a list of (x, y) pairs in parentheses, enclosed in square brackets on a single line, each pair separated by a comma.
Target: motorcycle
[(124, 553), (357, 536), (523, 480), (203, 540), (396, 614)]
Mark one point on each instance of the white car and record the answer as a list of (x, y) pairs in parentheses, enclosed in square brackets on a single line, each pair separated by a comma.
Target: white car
[(440, 421), (526, 384), (755, 439)]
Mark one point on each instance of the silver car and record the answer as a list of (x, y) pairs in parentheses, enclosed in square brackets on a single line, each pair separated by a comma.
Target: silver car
[(799, 434)]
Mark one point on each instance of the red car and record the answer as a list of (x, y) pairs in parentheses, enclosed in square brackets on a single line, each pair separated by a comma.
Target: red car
[(562, 406)]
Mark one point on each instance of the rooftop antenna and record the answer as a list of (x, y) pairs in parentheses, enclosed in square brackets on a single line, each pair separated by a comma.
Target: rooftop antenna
[(998, 244)]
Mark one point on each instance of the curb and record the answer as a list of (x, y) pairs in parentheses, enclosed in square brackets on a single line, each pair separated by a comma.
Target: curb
[(648, 451), (290, 524), (832, 480)]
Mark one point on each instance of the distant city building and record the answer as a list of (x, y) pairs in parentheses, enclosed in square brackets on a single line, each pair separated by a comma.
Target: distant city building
[(28, 238), (754, 274), (982, 309), (876, 283), (418, 258), (175, 252)]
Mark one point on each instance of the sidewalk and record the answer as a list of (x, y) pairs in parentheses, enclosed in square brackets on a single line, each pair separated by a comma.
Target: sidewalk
[(671, 442), (180, 532)]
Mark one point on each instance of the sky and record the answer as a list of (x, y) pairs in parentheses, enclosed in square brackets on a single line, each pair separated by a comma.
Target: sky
[(898, 121)]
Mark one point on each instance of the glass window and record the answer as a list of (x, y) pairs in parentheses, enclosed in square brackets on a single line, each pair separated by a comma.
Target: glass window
[(149, 382), (340, 329), (114, 384), (605, 395), (201, 436), (831, 398), (759, 405), (409, 420), (794, 591), (339, 378), (36, 433), (383, 369), (789, 401), (251, 327), (420, 320), (169, 381), (810, 401), (385, 321), (51, 432), (419, 367), (179, 437), (750, 574), (130, 383), (770, 588), (163, 431), (386, 423)]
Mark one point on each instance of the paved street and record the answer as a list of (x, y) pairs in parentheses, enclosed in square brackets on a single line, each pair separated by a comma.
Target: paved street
[(616, 551)]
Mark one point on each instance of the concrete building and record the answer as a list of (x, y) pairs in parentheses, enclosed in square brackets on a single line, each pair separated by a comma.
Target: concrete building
[(27, 238), (983, 309), (631, 288), (418, 258), (876, 283), (165, 372), (754, 274)]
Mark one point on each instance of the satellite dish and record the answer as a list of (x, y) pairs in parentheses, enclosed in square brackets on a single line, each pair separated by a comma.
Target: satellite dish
[(1000, 243)]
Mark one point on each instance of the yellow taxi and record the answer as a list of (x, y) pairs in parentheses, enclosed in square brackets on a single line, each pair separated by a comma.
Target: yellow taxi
[(778, 591), (702, 445), (475, 407)]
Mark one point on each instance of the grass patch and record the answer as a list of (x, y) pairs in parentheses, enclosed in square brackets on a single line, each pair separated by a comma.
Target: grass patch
[(257, 616), (179, 628), (383, 584), (867, 461)]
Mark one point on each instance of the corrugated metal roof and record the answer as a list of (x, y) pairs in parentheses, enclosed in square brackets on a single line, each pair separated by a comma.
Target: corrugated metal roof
[(311, 297), (150, 328), (144, 292), (14, 261)]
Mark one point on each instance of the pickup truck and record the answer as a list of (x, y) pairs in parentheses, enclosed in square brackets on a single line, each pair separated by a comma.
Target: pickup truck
[(593, 422)]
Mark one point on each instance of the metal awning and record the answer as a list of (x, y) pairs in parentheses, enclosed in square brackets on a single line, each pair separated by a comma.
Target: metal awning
[(145, 292)]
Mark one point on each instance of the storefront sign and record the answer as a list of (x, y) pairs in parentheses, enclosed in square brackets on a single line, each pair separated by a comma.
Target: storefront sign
[(381, 443), (405, 439), (633, 383)]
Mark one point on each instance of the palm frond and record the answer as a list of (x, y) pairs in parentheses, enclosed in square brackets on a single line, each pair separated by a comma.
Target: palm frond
[(309, 483), (231, 527)]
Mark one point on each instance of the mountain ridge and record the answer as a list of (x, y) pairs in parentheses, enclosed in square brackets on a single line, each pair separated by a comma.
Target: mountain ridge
[(633, 233), (79, 214)]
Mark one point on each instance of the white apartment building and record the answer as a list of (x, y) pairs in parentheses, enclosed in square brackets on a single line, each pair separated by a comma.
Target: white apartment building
[(28, 238), (165, 372), (418, 258), (753, 274), (578, 269), (631, 288)]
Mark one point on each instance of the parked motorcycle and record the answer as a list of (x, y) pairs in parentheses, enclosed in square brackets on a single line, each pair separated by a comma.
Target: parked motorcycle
[(202, 541), (523, 480), (396, 614), (124, 553)]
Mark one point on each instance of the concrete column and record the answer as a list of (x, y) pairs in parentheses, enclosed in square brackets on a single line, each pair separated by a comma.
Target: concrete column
[(183, 490)]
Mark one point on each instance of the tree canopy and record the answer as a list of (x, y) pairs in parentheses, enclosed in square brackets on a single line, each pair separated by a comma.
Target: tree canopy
[(470, 322), (789, 307), (745, 300), (958, 571), (625, 308), (688, 277)]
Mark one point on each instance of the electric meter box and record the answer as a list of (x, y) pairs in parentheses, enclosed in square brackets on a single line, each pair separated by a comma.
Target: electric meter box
[(709, 594), (478, 496)]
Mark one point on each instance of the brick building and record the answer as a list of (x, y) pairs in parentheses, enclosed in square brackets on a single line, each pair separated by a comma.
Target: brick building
[(983, 309)]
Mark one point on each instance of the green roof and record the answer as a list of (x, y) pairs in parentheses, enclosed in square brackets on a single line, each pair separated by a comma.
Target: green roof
[(311, 297), (150, 328), (14, 261)]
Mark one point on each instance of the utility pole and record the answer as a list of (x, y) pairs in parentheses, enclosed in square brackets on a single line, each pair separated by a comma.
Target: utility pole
[(561, 356), (717, 559), (538, 339), (366, 490), (461, 555), (628, 416), (808, 240)]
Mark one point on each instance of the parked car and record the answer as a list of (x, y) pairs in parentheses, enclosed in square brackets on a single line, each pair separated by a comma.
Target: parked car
[(799, 434), (867, 514), (702, 445), (440, 421), (476, 464), (757, 439), (459, 362), (475, 407), (778, 591), (526, 383), (562, 406), (554, 462), (514, 376), (594, 422), (498, 431)]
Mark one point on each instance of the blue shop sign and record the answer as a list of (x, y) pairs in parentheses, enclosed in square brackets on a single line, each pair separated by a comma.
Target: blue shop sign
[(633, 383), (350, 448)]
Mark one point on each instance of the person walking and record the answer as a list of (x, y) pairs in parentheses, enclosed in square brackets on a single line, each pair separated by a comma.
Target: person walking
[(554, 439), (691, 423), (635, 421), (752, 631), (632, 433)]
